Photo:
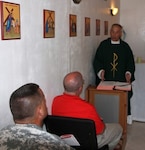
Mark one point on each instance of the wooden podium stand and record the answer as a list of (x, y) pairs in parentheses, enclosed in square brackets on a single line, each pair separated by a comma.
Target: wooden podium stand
[(111, 105)]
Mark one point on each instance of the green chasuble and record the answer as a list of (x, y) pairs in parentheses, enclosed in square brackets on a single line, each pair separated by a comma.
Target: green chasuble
[(115, 59)]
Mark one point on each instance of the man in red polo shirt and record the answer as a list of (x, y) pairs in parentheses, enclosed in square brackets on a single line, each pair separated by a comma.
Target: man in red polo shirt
[(71, 105)]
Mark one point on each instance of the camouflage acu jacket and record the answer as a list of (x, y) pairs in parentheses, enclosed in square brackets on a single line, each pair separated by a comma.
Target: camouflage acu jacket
[(29, 137)]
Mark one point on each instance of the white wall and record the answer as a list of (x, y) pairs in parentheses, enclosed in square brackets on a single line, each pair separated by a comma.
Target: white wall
[(133, 20), (45, 61)]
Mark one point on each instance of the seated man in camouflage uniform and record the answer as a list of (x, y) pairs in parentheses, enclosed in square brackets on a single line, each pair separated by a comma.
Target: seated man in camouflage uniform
[(28, 108)]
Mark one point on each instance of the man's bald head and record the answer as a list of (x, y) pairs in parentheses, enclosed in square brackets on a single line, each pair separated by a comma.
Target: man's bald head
[(73, 81)]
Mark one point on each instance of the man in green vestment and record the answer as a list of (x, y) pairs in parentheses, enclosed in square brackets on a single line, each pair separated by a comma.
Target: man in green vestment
[(114, 60)]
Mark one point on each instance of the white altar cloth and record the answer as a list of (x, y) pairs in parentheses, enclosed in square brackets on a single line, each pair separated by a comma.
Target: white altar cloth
[(138, 98)]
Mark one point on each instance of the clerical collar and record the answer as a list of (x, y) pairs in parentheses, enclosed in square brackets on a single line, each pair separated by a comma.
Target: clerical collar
[(115, 42)]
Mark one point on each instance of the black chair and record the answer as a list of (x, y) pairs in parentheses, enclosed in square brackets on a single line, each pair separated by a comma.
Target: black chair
[(83, 130)]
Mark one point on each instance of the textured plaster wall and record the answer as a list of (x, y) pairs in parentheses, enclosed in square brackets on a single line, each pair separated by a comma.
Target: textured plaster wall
[(133, 20), (46, 61)]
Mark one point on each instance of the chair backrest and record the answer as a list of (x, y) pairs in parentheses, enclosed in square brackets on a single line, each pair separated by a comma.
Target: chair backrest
[(83, 130)]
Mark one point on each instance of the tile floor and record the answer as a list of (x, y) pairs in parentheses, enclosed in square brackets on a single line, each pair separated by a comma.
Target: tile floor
[(135, 136)]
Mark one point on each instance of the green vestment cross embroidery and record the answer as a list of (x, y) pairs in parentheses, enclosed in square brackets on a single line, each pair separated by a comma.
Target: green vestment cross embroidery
[(114, 64)]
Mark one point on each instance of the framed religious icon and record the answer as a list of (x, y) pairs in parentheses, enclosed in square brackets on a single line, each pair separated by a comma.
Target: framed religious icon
[(97, 27), (10, 21), (73, 25), (87, 26), (48, 24), (105, 27)]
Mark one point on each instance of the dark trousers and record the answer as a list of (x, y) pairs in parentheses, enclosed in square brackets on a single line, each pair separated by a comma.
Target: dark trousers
[(130, 93)]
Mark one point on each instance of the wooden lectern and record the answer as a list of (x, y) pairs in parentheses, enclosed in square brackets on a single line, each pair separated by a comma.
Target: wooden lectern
[(111, 106)]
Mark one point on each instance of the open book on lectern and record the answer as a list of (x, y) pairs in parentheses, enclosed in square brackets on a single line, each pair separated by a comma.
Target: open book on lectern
[(114, 85)]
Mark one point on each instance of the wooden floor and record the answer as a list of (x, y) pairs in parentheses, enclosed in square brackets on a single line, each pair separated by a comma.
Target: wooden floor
[(135, 136)]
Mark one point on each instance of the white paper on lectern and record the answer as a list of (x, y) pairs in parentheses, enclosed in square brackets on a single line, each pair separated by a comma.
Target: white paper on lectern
[(70, 139), (114, 85)]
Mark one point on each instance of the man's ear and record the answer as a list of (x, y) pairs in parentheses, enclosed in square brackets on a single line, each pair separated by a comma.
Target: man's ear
[(80, 90), (39, 116), (39, 111)]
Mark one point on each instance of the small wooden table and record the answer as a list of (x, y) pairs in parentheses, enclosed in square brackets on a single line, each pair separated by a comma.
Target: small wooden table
[(110, 104)]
